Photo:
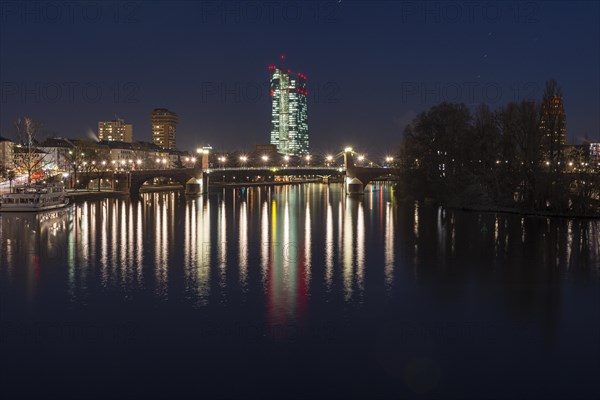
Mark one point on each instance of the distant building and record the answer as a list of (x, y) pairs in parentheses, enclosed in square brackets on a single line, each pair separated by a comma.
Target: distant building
[(6, 153), (59, 153), (553, 124), (120, 153), (595, 152), (267, 149), (289, 118), (116, 130), (164, 127)]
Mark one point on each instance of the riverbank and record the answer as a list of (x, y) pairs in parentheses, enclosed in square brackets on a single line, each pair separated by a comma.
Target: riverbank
[(508, 210), (84, 195), (526, 213), (81, 195)]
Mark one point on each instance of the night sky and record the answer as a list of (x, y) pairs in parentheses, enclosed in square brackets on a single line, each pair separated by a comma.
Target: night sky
[(371, 66)]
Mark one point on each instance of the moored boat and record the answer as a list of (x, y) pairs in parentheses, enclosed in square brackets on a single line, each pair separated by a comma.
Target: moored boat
[(34, 197)]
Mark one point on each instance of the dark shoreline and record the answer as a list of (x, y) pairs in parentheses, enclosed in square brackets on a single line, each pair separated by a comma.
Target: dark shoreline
[(525, 213), (529, 213)]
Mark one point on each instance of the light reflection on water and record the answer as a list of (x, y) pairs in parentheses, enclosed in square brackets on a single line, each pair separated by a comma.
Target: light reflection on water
[(283, 246)]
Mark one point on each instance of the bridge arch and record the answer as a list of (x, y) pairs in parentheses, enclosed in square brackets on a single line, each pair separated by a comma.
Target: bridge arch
[(181, 176), (357, 176), (367, 175)]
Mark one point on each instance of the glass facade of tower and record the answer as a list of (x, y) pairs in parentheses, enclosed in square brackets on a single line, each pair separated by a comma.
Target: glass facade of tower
[(289, 118)]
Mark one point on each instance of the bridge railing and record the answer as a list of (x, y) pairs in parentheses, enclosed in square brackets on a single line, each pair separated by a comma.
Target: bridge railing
[(273, 167)]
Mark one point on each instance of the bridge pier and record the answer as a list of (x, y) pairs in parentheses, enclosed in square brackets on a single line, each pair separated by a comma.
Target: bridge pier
[(121, 183), (196, 186), (357, 178), (353, 186)]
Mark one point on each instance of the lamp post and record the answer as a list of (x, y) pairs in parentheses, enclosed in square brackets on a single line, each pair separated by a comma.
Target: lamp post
[(329, 159), (265, 158)]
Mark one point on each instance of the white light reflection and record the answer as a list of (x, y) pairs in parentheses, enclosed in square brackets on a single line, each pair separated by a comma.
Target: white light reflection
[(160, 247), (569, 243), (104, 245), (131, 240), (389, 247), (196, 252), (243, 246), (441, 234), (122, 266), (222, 248), (360, 249), (139, 247), (329, 249), (348, 253), (307, 247)]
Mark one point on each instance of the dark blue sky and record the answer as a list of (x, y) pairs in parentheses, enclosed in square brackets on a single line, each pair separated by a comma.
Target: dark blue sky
[(371, 66)]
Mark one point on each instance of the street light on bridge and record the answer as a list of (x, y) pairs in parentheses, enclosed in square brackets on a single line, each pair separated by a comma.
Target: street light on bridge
[(265, 159)]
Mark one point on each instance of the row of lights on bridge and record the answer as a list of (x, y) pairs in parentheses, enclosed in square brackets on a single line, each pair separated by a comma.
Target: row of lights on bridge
[(265, 158)]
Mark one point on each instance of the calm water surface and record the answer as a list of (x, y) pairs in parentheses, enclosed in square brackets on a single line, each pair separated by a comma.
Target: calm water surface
[(294, 292)]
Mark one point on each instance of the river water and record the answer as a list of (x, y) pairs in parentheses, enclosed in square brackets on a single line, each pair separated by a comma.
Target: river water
[(293, 292)]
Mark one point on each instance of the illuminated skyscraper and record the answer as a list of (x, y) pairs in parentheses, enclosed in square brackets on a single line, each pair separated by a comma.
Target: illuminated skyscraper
[(164, 126), (116, 130), (289, 119)]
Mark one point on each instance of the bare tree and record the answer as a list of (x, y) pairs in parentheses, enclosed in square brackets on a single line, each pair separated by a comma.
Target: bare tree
[(29, 158)]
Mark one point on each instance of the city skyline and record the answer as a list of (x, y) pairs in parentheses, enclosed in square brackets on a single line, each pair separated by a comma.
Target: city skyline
[(421, 59), (330, 199)]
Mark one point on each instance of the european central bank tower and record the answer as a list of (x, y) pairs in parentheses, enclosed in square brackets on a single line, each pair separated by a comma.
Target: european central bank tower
[(289, 119)]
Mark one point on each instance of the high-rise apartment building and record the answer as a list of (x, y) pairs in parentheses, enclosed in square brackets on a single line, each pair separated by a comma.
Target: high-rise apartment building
[(289, 119), (116, 130), (553, 124), (164, 126)]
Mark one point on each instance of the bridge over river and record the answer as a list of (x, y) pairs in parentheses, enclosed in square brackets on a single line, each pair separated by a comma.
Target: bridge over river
[(198, 178)]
